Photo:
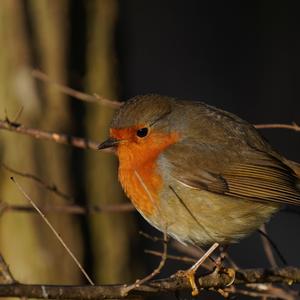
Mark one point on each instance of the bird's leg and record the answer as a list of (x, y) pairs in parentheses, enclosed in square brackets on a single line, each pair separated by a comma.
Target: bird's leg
[(190, 273)]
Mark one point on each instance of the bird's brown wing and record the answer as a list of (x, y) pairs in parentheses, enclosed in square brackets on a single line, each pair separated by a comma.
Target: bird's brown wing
[(243, 173)]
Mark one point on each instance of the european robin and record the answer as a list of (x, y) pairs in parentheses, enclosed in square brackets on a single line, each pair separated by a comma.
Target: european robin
[(199, 173)]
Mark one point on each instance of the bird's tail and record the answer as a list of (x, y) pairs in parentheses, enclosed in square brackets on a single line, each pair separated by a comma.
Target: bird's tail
[(296, 168)]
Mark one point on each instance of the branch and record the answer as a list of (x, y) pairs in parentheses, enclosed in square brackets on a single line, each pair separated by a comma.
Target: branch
[(74, 93), (267, 246), (84, 143), (292, 126), (51, 136), (50, 187), (69, 209), (213, 281), (173, 257)]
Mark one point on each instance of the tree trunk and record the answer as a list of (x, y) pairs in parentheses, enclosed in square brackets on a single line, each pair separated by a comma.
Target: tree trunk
[(110, 233)]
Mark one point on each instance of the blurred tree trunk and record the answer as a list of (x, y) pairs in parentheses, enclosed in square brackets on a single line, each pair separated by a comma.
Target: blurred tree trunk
[(110, 233), (26, 242)]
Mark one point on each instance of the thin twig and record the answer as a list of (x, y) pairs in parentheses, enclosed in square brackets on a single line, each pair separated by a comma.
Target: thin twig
[(189, 250), (5, 274), (74, 93), (50, 187), (267, 248), (51, 136), (174, 257), (272, 243), (155, 272), (186, 259), (68, 209), (292, 126), (150, 237), (54, 231)]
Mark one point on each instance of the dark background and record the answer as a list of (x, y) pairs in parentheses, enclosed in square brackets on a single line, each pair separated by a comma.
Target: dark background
[(240, 56)]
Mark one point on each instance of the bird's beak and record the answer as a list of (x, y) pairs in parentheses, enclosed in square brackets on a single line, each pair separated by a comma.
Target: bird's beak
[(109, 143)]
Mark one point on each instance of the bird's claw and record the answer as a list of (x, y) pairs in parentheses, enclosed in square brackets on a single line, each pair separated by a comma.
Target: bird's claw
[(231, 273), (190, 275)]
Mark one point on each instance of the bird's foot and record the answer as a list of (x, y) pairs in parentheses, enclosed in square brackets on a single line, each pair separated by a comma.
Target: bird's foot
[(231, 273), (190, 275)]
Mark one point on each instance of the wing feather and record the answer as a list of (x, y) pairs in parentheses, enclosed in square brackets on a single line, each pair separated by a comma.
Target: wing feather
[(251, 174)]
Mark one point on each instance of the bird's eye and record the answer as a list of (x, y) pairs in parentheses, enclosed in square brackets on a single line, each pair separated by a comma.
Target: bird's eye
[(142, 132)]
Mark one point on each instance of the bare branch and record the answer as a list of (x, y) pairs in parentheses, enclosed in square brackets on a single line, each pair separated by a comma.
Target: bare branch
[(74, 93), (211, 281), (292, 126), (150, 237), (50, 187), (267, 248), (68, 209), (51, 136), (174, 257)]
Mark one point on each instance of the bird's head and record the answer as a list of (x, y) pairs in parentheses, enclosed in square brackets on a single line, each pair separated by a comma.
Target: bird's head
[(142, 128)]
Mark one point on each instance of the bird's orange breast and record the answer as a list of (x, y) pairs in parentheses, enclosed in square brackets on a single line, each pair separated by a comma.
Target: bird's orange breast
[(138, 172), (142, 186)]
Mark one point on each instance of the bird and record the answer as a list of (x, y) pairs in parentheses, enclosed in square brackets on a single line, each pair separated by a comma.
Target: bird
[(196, 172)]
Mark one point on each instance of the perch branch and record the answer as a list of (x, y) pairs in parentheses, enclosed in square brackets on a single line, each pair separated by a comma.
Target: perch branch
[(213, 281)]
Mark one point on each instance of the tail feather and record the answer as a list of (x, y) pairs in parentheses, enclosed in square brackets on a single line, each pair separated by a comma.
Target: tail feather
[(296, 168)]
